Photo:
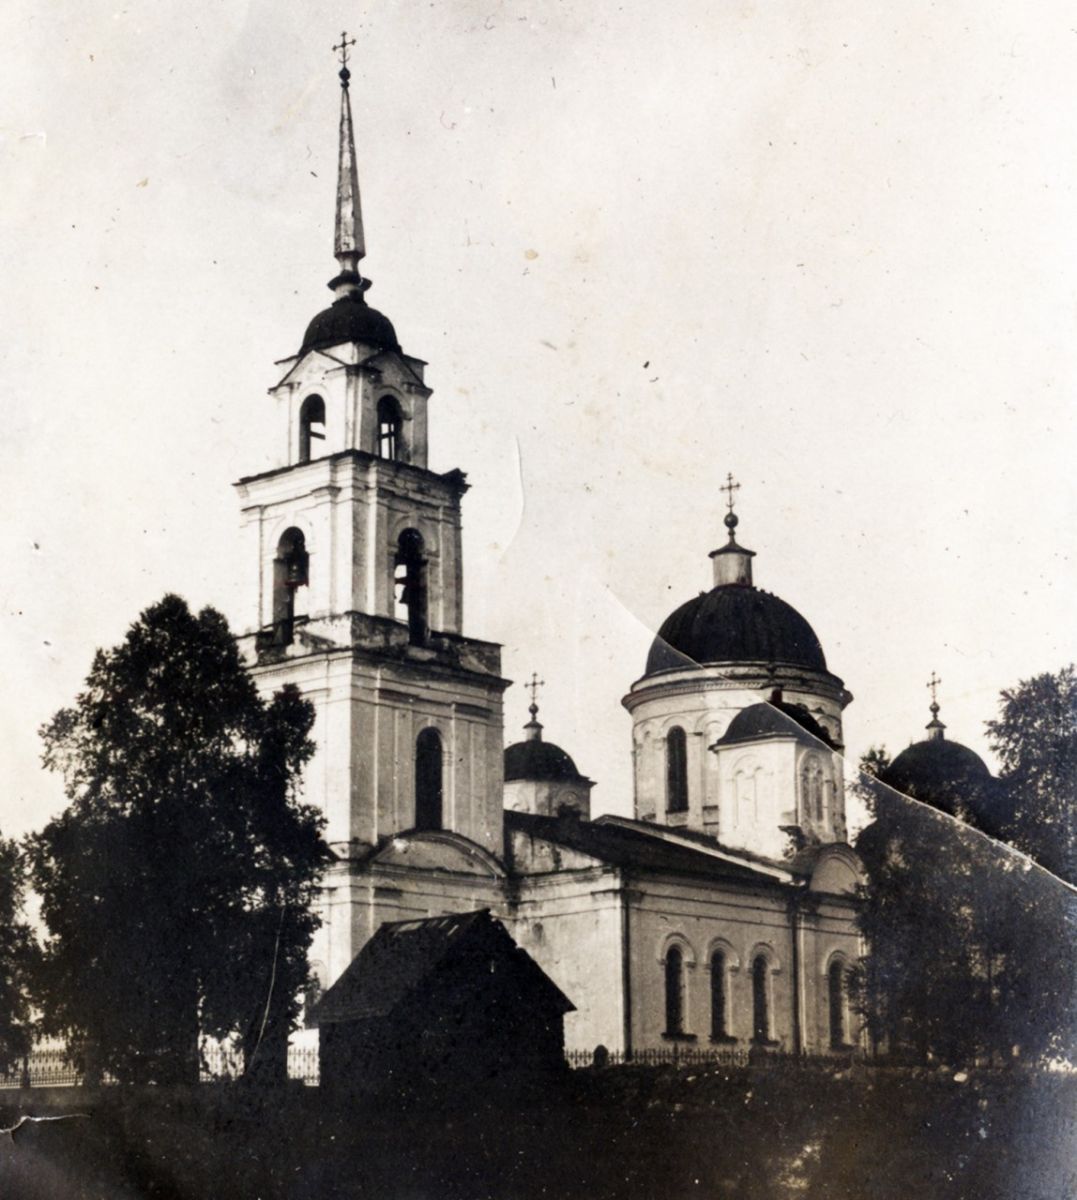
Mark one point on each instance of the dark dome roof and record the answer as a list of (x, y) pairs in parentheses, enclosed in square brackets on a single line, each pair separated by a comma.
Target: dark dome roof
[(349, 319), (765, 720), (735, 623), (940, 772), (539, 761)]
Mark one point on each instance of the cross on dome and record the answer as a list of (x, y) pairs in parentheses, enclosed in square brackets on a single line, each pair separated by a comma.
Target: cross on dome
[(730, 487), (533, 727), (533, 686), (935, 726)]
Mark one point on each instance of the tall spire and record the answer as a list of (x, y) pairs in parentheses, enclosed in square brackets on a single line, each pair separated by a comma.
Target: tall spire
[(349, 245), (732, 563), (935, 728)]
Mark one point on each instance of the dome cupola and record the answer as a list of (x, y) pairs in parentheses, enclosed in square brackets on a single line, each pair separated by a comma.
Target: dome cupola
[(941, 772), (540, 777), (735, 621), (736, 720)]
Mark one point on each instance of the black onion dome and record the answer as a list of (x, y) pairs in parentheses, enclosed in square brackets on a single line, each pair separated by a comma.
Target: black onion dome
[(538, 761), (766, 720), (350, 319), (735, 623), (942, 773)]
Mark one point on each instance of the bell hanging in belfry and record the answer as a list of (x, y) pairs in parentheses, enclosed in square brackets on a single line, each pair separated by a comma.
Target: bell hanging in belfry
[(296, 575)]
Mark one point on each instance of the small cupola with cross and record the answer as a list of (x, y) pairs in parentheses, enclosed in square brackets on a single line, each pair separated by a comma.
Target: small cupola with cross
[(541, 777)]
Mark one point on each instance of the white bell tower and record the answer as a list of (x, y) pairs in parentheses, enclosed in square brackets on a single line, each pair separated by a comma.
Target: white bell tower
[(353, 545)]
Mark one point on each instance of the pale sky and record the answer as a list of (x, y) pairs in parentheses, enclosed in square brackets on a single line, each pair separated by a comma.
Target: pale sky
[(828, 247)]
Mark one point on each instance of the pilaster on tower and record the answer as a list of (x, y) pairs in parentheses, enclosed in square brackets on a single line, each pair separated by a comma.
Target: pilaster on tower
[(354, 547)]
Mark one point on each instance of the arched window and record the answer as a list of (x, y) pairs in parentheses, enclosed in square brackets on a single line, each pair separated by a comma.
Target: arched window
[(410, 584), (311, 427), (811, 789), (761, 999), (428, 767), (388, 429), (676, 770), (838, 999), (290, 573), (747, 784), (719, 1026), (674, 967)]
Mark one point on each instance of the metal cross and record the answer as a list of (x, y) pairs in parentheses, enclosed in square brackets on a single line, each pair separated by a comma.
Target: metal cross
[(933, 684), (534, 686), (343, 48), (729, 487)]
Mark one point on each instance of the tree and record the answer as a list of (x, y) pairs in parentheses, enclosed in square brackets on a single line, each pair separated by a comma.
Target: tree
[(920, 917), (177, 886), (970, 943), (1035, 738), (16, 959)]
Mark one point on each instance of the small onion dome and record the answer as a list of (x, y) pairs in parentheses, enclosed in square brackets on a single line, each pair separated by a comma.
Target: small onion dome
[(349, 319), (539, 761), (735, 622), (942, 773), (776, 718)]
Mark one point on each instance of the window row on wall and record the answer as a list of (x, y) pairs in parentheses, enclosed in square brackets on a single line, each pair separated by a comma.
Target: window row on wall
[(715, 989), (312, 424)]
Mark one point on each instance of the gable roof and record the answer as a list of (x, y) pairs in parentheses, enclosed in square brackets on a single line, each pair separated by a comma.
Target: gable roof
[(640, 845), (400, 960)]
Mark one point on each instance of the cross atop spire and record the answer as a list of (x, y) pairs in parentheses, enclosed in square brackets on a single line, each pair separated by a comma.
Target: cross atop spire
[(343, 49), (534, 729), (349, 244), (935, 727)]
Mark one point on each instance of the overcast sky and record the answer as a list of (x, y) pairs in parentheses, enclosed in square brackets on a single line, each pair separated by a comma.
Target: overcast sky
[(828, 247)]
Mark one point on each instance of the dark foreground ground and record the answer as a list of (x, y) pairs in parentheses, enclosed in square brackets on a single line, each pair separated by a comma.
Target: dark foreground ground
[(654, 1133)]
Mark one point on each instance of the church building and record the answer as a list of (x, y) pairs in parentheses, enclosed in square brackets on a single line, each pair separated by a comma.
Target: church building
[(721, 913)]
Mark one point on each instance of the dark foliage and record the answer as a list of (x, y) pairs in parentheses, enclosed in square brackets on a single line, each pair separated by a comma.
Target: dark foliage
[(1035, 738), (176, 886), (971, 944), (618, 1134), (17, 956)]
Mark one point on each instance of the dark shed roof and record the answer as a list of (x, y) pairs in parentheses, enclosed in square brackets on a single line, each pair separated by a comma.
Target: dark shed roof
[(399, 960)]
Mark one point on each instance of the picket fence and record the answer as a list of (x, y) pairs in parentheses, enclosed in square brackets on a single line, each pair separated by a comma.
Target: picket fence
[(49, 1066)]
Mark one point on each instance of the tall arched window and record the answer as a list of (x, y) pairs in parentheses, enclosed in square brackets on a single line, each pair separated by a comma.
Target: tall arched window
[(719, 1026), (290, 573), (311, 427), (760, 999), (836, 995), (811, 788), (388, 429), (428, 789), (676, 770), (410, 584), (674, 990)]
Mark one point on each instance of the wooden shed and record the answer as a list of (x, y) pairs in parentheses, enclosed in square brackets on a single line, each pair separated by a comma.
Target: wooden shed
[(447, 1000)]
